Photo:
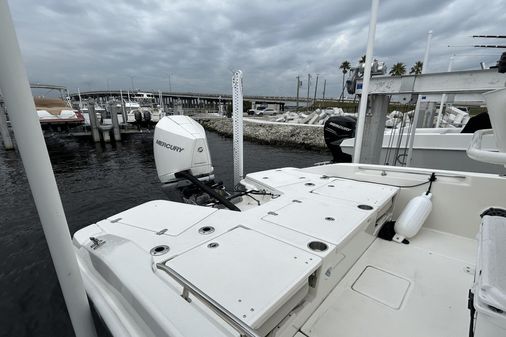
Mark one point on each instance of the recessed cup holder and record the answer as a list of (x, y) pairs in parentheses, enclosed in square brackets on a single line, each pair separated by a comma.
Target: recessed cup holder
[(159, 250), (365, 207), (206, 230), (317, 246)]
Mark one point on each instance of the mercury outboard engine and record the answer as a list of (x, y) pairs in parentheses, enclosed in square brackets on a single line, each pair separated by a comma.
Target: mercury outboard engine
[(183, 163), (335, 130)]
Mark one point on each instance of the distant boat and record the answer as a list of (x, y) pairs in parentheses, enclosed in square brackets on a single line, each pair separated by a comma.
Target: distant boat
[(55, 111)]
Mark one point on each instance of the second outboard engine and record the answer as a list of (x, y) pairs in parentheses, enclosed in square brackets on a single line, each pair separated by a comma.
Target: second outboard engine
[(138, 116), (335, 130), (146, 116)]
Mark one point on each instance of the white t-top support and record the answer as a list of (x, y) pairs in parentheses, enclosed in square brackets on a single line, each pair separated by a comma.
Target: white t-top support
[(414, 122), (237, 99), (32, 148), (443, 97), (365, 86)]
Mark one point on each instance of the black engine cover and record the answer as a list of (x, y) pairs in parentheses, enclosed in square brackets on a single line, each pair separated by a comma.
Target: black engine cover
[(335, 130)]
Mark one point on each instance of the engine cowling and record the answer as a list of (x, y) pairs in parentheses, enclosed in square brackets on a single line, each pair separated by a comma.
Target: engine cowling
[(335, 130), (180, 144)]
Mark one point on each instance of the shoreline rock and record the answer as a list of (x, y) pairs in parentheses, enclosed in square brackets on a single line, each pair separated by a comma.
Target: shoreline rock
[(293, 136)]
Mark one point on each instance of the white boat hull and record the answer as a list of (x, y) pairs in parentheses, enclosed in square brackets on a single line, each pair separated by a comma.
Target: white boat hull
[(433, 148)]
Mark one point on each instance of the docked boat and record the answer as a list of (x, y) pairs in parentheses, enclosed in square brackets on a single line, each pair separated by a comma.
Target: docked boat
[(332, 250), (301, 252), (144, 110), (55, 113), (441, 148)]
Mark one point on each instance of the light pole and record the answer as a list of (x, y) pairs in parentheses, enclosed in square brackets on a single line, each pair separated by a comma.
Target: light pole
[(170, 84), (132, 82), (298, 87), (308, 86)]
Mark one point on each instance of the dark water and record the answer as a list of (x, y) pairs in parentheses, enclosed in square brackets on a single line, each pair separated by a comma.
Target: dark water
[(95, 182)]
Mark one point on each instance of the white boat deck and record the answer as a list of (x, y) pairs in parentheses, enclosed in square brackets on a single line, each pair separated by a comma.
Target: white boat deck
[(390, 291)]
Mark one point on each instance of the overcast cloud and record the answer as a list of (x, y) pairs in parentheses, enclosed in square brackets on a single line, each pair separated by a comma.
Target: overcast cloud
[(93, 44)]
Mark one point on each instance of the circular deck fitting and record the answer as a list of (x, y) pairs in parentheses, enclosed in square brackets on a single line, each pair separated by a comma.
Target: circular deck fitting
[(365, 207), (309, 184), (213, 245), (317, 246), (159, 250), (206, 230), (329, 218)]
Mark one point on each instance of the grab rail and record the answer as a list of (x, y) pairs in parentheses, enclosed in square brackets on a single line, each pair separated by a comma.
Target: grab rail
[(427, 172), (475, 152), (244, 329)]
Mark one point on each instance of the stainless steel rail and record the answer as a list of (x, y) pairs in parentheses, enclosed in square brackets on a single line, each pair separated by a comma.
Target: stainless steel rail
[(418, 172), (241, 327)]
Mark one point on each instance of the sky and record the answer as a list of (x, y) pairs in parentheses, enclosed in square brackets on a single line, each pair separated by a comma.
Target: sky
[(194, 45)]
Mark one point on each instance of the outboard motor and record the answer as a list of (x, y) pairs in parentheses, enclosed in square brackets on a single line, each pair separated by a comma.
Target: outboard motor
[(183, 163), (146, 116), (138, 116), (335, 130)]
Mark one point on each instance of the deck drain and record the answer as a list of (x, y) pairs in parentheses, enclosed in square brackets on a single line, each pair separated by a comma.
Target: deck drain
[(159, 250), (206, 230), (317, 246), (365, 207), (213, 245)]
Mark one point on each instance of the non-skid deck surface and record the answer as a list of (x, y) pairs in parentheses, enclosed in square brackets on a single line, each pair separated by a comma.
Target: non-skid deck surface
[(415, 290)]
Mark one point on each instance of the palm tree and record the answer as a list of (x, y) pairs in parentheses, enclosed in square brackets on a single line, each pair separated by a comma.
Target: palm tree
[(416, 68), (362, 59), (398, 69), (345, 66)]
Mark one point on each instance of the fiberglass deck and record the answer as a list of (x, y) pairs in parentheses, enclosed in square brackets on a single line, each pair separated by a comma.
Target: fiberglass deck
[(415, 290)]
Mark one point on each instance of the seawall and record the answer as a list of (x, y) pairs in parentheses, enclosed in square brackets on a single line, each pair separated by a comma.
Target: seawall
[(294, 136)]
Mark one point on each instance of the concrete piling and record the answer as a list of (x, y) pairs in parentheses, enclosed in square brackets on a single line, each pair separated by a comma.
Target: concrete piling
[(115, 122), (95, 135)]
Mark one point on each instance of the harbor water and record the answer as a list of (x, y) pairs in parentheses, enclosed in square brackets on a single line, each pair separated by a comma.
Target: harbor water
[(95, 182)]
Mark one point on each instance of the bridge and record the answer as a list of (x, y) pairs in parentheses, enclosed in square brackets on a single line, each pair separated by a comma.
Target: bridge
[(194, 100)]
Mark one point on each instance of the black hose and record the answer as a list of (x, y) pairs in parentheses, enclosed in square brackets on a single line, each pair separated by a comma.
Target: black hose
[(204, 188)]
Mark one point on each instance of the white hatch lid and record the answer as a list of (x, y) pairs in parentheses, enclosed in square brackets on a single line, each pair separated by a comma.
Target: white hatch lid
[(157, 215), (250, 274), (325, 220)]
